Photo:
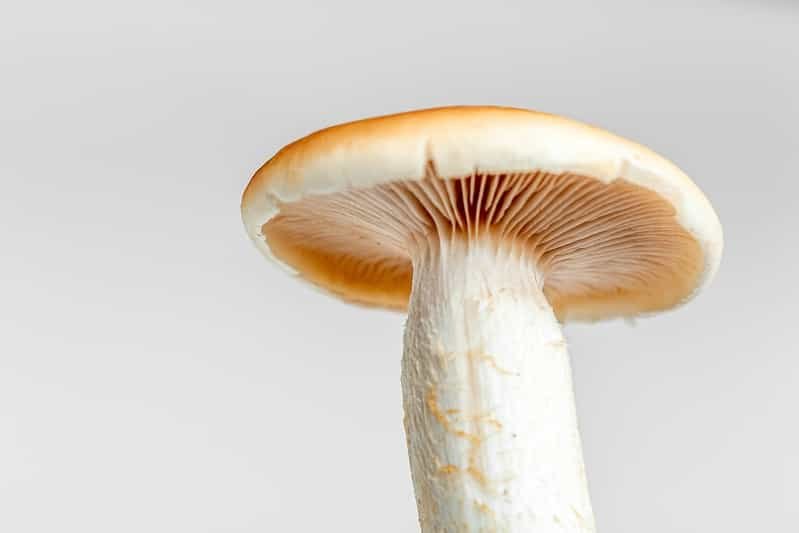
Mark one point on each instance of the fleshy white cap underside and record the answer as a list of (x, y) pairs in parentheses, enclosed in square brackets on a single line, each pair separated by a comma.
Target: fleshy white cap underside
[(618, 230)]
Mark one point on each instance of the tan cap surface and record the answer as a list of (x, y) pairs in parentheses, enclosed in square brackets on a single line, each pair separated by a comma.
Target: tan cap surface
[(617, 229)]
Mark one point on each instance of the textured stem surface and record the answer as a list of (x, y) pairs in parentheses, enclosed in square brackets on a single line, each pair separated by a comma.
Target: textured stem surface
[(489, 409)]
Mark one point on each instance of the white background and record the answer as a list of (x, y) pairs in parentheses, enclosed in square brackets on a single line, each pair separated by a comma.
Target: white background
[(156, 374)]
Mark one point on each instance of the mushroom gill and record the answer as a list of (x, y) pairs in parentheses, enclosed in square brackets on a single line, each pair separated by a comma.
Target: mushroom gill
[(603, 249)]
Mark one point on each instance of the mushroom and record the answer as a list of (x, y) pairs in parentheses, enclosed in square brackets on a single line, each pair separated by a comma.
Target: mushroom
[(491, 226)]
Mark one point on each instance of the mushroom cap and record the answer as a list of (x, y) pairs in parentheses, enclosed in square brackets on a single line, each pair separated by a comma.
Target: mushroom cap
[(618, 230)]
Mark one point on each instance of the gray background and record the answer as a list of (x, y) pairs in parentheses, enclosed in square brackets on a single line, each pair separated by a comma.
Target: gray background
[(156, 374)]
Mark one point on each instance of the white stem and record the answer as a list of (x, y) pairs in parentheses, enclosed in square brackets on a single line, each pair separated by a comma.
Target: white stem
[(489, 409)]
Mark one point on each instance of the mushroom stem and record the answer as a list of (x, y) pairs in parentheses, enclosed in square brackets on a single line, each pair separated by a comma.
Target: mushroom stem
[(490, 417)]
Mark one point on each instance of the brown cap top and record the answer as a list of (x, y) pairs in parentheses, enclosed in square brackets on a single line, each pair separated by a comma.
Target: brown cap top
[(616, 229)]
